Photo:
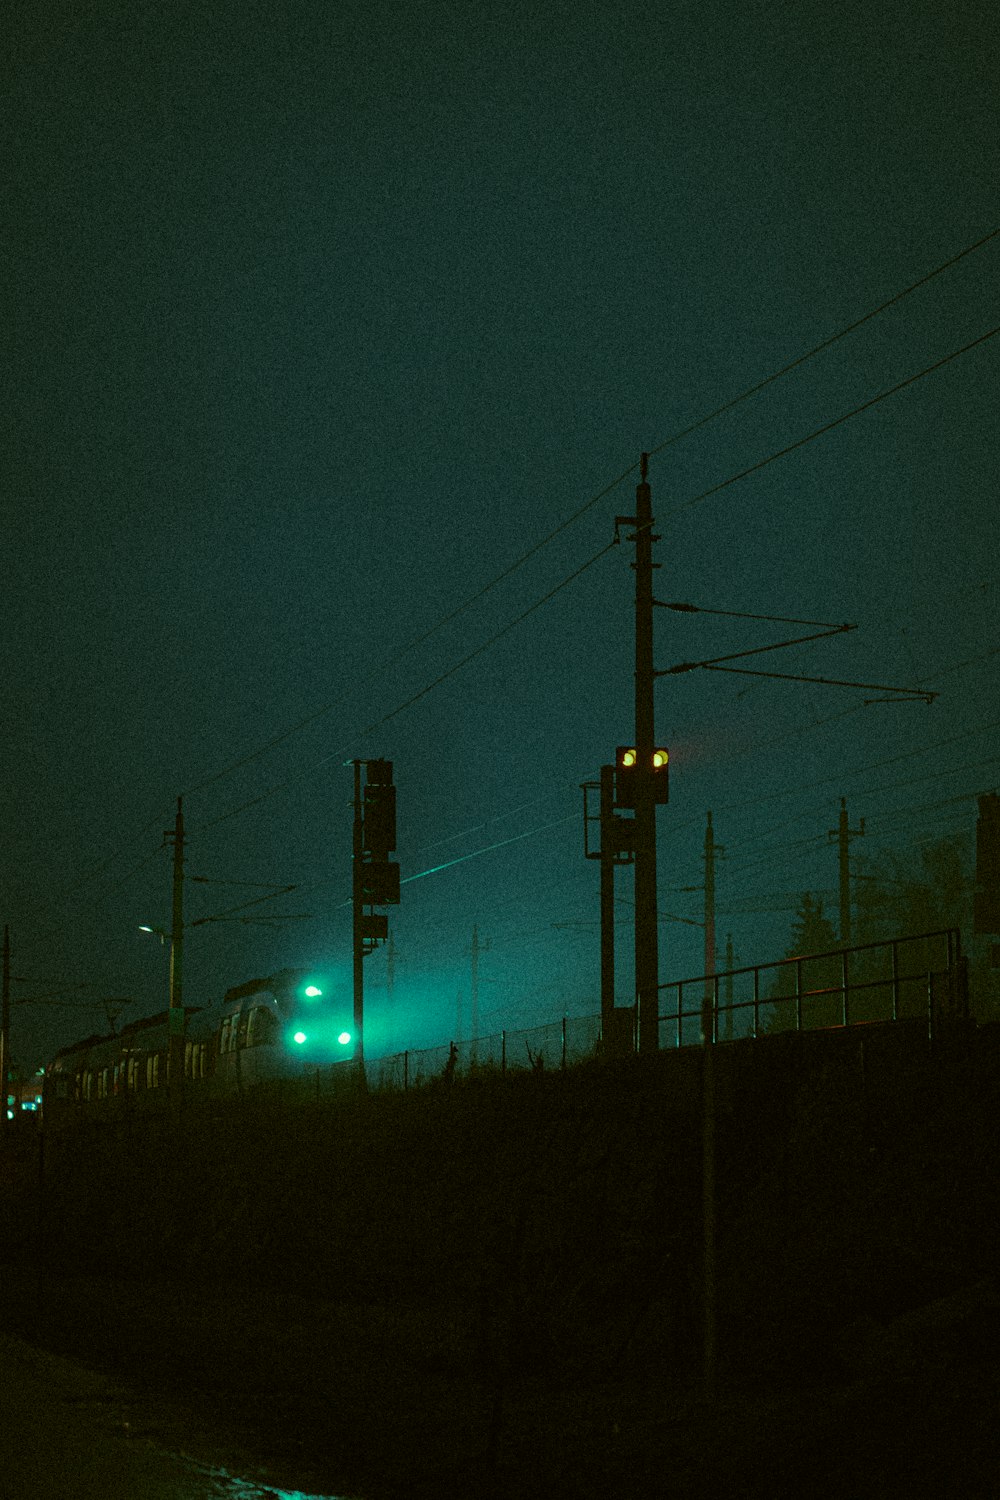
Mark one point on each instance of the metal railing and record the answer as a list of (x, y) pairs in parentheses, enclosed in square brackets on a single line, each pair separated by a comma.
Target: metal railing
[(907, 978), (917, 977)]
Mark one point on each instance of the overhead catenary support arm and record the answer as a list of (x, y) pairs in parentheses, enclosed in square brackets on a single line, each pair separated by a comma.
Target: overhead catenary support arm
[(905, 694)]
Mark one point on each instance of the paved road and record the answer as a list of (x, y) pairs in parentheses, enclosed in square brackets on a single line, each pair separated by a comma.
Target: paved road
[(68, 1433)]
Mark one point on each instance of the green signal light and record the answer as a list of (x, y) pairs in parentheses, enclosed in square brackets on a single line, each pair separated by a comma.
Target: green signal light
[(344, 1038), (299, 1037), (312, 991)]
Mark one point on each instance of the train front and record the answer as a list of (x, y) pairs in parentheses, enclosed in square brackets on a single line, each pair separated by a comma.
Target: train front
[(315, 1023), (293, 1024)]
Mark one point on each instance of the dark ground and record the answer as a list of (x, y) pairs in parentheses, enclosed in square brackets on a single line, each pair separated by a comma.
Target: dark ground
[(510, 1307), (330, 1398)]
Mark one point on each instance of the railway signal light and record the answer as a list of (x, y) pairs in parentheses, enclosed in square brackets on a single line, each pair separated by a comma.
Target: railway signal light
[(380, 883), (628, 771), (379, 820)]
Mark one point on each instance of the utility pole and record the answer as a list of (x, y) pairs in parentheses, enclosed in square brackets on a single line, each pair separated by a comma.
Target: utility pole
[(474, 1017), (727, 1024), (374, 880), (176, 1014), (5, 1030), (709, 1021), (843, 835), (647, 965), (607, 824), (712, 850)]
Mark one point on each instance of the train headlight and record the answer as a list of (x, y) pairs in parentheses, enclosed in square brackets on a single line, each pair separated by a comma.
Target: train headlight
[(299, 1037)]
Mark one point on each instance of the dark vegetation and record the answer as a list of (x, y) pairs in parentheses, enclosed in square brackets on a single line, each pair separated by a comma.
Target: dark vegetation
[(495, 1286)]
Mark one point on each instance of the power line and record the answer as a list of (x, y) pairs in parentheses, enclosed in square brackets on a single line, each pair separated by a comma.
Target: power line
[(324, 709), (837, 421), (421, 693), (412, 645), (826, 344), (570, 520)]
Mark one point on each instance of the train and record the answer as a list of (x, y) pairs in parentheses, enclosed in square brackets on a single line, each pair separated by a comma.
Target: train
[(277, 1029)]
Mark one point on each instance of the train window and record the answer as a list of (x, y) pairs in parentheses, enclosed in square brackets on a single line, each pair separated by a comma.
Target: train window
[(153, 1071), (133, 1074), (241, 1035), (226, 1035), (88, 1084), (102, 1084), (261, 1028)]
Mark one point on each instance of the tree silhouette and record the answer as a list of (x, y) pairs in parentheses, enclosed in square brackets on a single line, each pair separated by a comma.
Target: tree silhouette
[(812, 936), (900, 896)]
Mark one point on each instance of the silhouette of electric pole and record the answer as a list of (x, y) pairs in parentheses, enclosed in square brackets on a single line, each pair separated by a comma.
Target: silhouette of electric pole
[(476, 949), (712, 852), (843, 835), (175, 1014), (647, 961), (5, 1029)]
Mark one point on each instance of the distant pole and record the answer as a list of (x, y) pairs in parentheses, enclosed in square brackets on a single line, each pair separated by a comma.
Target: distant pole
[(709, 911), (647, 965), (709, 1014), (175, 1054), (728, 1022), (843, 834), (474, 1017), (712, 851), (5, 1029), (390, 969), (358, 936), (709, 1346)]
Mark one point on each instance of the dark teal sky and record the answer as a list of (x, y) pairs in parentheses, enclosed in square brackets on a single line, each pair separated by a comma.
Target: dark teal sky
[(319, 317)]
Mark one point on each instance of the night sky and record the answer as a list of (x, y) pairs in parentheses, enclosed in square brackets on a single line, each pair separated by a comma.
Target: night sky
[(320, 317)]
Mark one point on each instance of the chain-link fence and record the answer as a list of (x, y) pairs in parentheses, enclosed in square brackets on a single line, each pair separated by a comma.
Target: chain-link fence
[(551, 1048)]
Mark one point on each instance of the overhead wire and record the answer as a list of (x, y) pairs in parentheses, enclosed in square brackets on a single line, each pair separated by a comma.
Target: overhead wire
[(451, 615), (837, 421), (601, 494), (422, 692), (825, 344), (418, 640)]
